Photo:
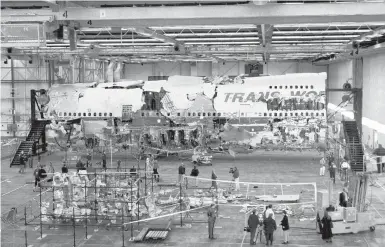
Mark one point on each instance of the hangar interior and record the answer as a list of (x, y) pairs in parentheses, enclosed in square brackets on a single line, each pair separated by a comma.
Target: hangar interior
[(131, 84)]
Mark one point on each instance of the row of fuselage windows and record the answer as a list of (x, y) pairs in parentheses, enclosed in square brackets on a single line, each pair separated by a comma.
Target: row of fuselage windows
[(199, 114), (291, 87), (89, 114), (271, 114)]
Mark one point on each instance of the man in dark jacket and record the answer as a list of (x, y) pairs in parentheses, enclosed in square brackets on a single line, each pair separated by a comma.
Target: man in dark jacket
[(380, 151), (181, 172), (285, 227), (195, 173), (270, 227), (212, 216), (253, 223), (104, 159)]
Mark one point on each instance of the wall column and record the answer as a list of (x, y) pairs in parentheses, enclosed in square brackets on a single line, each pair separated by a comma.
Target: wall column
[(358, 83)]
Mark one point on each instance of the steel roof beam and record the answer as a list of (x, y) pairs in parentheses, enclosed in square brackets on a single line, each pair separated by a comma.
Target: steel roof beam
[(215, 15), (212, 50)]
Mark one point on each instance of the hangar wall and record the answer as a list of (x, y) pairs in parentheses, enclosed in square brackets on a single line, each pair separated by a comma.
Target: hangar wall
[(373, 98), (373, 122)]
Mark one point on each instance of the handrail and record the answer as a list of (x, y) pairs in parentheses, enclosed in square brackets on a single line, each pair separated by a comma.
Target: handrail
[(15, 151)]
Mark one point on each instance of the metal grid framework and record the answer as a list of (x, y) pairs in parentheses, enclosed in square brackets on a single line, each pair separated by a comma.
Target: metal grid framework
[(217, 43)]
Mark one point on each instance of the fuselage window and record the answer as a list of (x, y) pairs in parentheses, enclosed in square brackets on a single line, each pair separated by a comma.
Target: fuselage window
[(306, 87), (208, 114), (213, 114), (219, 114), (301, 87), (265, 114), (270, 114), (95, 114), (110, 114), (204, 114), (311, 87), (296, 87), (59, 114), (199, 114), (100, 114), (189, 114), (193, 114), (296, 114), (84, 114), (70, 114), (105, 114), (89, 114), (168, 114), (280, 87), (291, 87), (79, 114), (65, 114), (271, 87), (178, 114)]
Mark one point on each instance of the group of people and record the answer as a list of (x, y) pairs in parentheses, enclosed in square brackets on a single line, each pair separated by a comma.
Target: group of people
[(265, 224), (332, 167), (24, 159)]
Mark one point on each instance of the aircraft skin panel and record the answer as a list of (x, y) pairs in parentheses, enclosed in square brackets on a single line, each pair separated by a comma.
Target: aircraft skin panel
[(235, 101)]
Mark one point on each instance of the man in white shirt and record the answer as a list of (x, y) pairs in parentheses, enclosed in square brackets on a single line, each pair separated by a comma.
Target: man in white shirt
[(345, 166), (322, 168), (269, 211)]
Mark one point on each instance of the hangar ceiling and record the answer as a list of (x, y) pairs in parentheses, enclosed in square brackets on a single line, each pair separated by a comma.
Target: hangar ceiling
[(227, 30)]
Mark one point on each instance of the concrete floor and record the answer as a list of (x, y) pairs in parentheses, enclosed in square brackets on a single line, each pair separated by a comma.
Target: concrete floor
[(292, 167)]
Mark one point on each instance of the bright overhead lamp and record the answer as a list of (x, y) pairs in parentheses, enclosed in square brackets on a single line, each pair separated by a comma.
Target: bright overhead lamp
[(95, 29), (221, 43), (316, 37), (119, 40), (135, 44), (207, 27), (322, 31), (339, 24), (217, 39), (211, 34)]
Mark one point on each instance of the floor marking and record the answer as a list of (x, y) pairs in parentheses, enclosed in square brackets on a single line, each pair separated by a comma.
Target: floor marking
[(244, 236), (376, 211), (366, 242), (14, 190)]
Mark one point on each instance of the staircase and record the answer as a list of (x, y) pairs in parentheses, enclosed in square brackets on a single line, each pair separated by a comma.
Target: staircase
[(34, 135), (354, 146)]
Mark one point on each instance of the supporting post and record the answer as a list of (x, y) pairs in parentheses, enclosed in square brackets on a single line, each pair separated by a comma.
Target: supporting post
[(25, 223), (132, 227), (145, 178), (13, 98), (96, 206), (180, 202), (41, 220), (86, 226), (123, 226), (73, 225)]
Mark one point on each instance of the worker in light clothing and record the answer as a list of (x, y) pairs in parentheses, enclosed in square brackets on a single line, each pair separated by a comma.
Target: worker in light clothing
[(345, 166), (268, 211), (181, 173), (236, 179), (322, 168)]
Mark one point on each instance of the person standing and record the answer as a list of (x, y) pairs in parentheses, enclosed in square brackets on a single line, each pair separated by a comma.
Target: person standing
[(236, 178), (322, 168), (260, 228), (89, 157), (343, 198), (212, 216), (30, 158), (214, 179), (22, 160), (37, 178), (270, 227), (64, 168), (42, 175), (285, 227), (268, 211), (104, 160), (195, 173), (345, 166), (253, 223), (380, 151), (181, 173), (155, 170), (327, 226), (332, 171), (118, 166)]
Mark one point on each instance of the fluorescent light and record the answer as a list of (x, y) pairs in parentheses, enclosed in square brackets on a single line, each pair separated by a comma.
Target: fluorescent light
[(322, 31), (339, 24), (220, 43), (118, 40), (308, 41), (316, 37), (133, 44), (216, 39), (210, 34), (209, 27), (95, 29)]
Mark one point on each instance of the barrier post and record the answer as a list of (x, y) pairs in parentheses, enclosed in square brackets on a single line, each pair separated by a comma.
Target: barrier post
[(86, 226), (73, 225), (180, 202), (25, 223), (41, 220), (132, 227), (123, 226)]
